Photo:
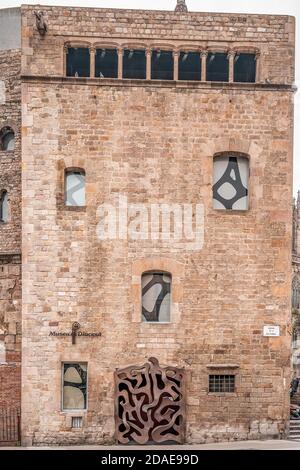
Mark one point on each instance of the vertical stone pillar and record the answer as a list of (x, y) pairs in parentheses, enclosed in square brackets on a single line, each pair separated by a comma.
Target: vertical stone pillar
[(203, 56), (92, 61), (176, 65), (120, 63), (148, 64), (231, 57), (258, 64), (65, 60)]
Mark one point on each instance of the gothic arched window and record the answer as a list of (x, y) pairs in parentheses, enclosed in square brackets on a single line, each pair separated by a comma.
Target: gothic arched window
[(7, 139)]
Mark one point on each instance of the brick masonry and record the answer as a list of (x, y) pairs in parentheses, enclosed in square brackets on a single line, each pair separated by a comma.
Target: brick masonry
[(10, 236), (155, 142)]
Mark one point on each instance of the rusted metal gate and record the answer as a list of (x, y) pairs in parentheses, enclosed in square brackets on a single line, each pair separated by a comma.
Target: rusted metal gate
[(150, 404), (10, 426)]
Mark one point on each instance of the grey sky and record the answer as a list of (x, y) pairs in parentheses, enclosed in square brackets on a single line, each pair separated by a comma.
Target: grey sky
[(285, 7)]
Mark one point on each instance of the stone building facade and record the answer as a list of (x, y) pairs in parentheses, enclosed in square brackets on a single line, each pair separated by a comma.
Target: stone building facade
[(131, 144)]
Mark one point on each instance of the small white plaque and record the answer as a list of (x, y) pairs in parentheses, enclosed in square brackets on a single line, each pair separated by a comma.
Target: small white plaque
[(271, 330)]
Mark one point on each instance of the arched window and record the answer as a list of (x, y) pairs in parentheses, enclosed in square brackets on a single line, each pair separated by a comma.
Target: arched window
[(230, 187), (75, 187), (4, 207), (295, 293), (156, 296), (7, 139)]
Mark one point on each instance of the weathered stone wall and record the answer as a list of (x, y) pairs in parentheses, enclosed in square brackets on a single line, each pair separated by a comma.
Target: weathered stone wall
[(10, 234), (273, 35), (155, 143)]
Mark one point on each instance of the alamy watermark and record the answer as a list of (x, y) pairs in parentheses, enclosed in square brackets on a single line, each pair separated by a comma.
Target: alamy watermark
[(181, 225)]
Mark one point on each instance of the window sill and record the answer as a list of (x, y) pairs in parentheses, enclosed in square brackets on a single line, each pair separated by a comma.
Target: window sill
[(231, 211), (74, 208), (156, 323), (76, 413), (157, 83), (222, 394)]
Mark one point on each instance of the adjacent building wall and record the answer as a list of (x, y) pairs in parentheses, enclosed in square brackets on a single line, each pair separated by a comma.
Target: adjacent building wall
[(10, 232)]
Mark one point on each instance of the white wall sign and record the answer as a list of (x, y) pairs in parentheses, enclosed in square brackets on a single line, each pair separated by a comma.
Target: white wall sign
[(271, 330)]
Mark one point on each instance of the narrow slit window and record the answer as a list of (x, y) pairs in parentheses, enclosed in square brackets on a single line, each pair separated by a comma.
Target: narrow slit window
[(189, 66), (217, 67), (245, 68), (231, 177), (295, 294), (75, 188), (74, 393), (162, 65), (156, 297), (134, 64), (106, 63), (78, 62), (4, 207), (7, 139)]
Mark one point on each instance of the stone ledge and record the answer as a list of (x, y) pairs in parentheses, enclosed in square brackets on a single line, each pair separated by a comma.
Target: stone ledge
[(157, 83)]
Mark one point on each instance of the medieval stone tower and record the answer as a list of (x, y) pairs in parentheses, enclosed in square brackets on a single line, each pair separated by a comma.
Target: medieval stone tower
[(156, 161)]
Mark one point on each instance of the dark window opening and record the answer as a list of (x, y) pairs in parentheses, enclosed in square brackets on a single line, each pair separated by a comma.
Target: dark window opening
[(162, 65), (78, 62), (7, 139), (221, 383), (134, 64), (106, 63), (4, 207), (189, 66), (217, 67), (245, 68)]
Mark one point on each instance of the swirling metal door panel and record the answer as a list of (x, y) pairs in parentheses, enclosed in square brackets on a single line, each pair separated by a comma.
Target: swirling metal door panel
[(150, 404)]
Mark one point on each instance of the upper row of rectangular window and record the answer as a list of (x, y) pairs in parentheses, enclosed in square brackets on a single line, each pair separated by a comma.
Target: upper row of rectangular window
[(163, 65)]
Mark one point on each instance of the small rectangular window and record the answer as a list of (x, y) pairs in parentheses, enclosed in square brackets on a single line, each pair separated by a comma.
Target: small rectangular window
[(222, 383), (245, 68), (75, 188), (78, 62), (76, 422), (74, 395), (162, 65), (106, 63), (134, 64), (189, 66), (217, 67)]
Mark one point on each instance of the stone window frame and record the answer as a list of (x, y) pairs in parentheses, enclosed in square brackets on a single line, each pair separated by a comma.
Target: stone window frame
[(203, 50), (65, 165), (83, 44), (159, 264), (242, 147)]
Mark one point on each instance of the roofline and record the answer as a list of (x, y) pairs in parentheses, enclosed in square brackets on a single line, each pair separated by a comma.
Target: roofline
[(112, 10)]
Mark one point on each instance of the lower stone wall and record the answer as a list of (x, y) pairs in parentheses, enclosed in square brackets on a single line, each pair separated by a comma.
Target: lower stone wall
[(10, 331)]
